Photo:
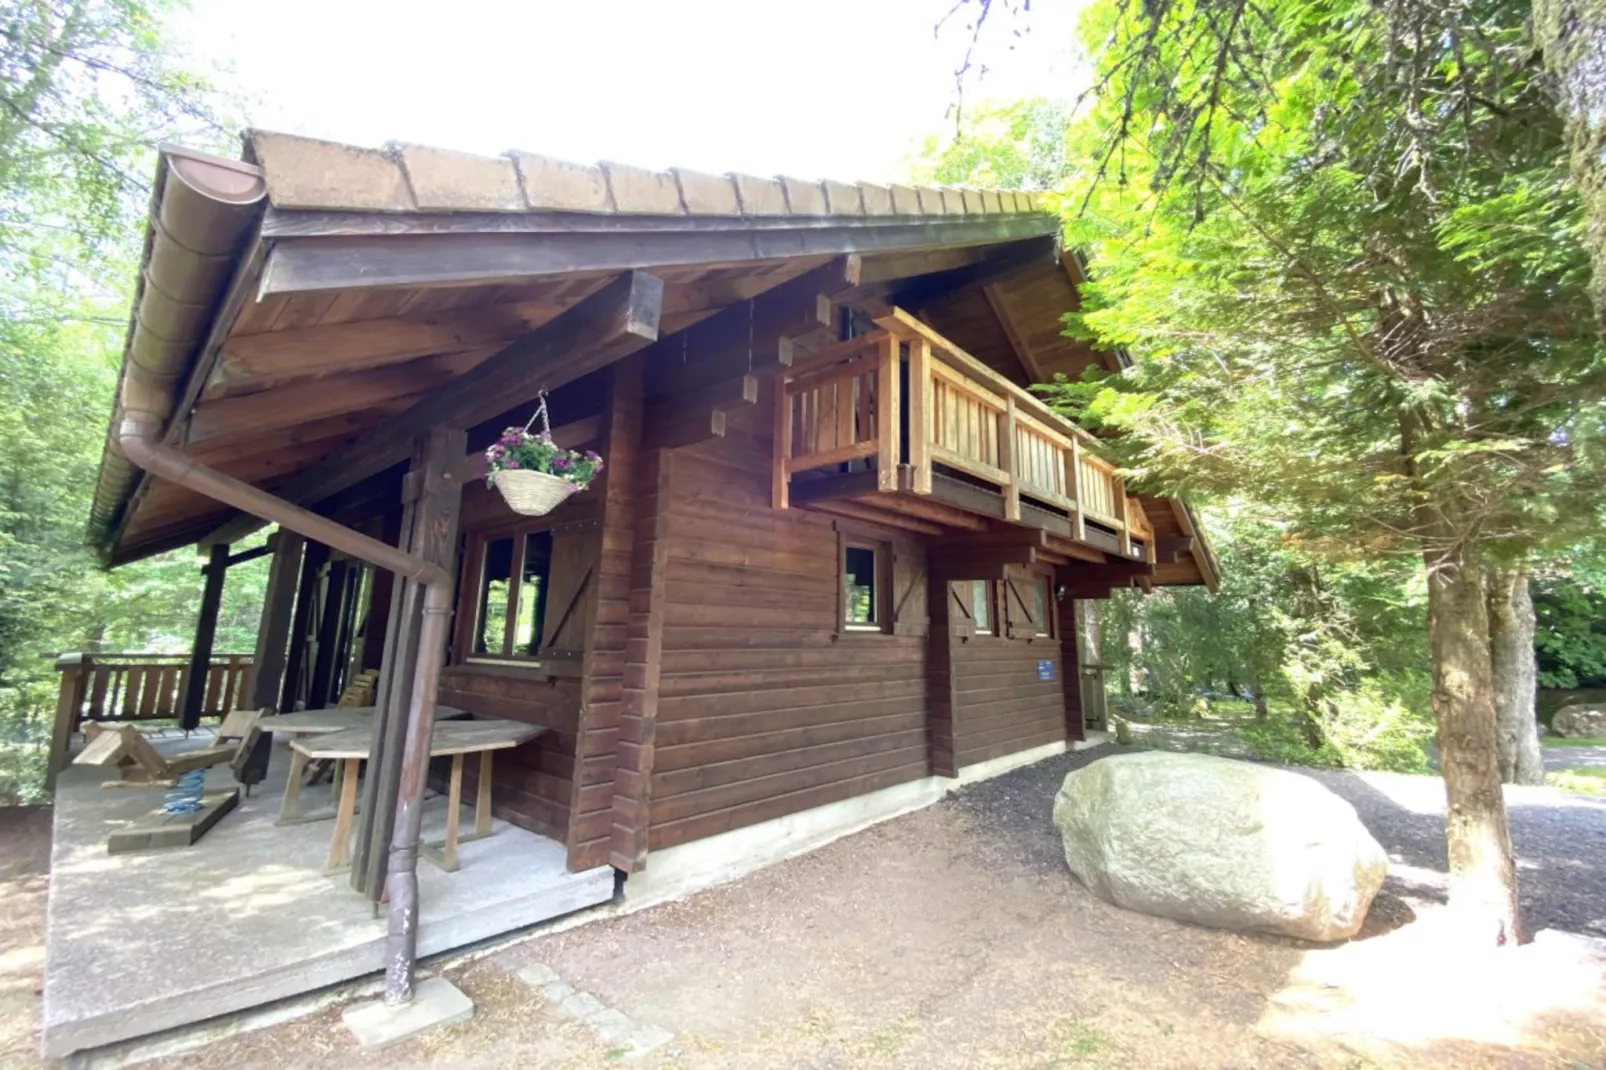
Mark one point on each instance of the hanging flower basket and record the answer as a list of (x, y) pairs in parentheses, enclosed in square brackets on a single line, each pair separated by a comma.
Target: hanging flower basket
[(531, 493), (534, 474)]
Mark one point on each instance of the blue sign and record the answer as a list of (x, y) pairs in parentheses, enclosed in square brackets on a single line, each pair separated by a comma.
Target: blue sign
[(1045, 669)]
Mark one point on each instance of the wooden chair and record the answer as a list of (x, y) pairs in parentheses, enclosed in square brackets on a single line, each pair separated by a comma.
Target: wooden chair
[(360, 691), (143, 766)]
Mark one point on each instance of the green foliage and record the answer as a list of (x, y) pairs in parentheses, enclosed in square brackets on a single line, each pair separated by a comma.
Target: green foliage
[(518, 449), (1583, 779), (1570, 604), (1020, 145), (87, 87)]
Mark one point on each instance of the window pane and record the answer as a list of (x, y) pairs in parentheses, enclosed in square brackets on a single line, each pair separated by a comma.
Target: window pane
[(858, 583), (1040, 605), (978, 606), (532, 592), (494, 578)]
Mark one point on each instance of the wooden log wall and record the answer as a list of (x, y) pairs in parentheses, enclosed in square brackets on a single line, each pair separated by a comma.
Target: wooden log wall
[(1000, 705), (762, 710)]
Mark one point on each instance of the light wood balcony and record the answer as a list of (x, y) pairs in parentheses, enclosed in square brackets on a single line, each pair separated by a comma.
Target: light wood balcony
[(903, 423)]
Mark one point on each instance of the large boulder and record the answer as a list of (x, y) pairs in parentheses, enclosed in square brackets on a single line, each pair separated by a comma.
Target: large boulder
[(1583, 719), (1221, 843)]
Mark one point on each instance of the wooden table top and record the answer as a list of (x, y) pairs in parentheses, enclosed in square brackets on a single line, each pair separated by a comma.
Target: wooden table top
[(450, 737), (337, 719)]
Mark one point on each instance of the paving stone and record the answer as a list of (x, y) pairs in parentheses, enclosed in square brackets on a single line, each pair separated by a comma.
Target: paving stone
[(436, 1002), (538, 974), (584, 1005), (556, 991)]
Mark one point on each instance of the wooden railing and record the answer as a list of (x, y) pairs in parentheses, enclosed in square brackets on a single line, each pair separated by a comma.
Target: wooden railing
[(148, 687), (836, 406)]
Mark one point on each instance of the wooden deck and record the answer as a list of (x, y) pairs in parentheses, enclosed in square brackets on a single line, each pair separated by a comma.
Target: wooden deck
[(145, 942)]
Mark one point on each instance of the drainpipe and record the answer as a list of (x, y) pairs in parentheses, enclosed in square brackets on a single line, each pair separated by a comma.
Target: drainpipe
[(139, 436)]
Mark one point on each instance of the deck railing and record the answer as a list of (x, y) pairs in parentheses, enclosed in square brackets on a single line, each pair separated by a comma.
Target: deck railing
[(905, 397), (147, 687)]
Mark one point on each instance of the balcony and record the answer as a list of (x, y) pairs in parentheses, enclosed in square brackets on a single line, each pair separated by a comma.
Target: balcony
[(902, 425)]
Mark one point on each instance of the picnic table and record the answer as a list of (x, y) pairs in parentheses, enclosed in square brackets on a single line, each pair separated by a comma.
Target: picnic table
[(316, 723), (455, 738)]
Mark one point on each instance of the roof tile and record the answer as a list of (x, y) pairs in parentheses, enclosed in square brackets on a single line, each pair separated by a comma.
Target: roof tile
[(905, 200), (707, 194), (842, 198), (443, 180), (304, 172), (931, 201), (877, 199), (557, 186), (804, 198), (760, 196), (638, 191)]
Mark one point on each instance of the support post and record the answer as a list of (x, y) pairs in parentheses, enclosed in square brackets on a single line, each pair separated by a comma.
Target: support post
[(74, 670), (295, 666), (216, 571), (273, 641), (434, 540), (920, 415), (1070, 661), (888, 422), (1009, 462), (941, 681)]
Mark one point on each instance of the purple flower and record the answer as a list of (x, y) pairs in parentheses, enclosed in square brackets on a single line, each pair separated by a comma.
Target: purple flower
[(560, 463), (511, 462), (593, 456)]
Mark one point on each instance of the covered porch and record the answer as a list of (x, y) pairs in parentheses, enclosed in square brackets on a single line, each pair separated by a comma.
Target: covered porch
[(149, 941)]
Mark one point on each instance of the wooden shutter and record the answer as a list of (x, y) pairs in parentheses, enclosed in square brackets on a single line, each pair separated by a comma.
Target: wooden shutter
[(1016, 608), (909, 593), (569, 601), (961, 617)]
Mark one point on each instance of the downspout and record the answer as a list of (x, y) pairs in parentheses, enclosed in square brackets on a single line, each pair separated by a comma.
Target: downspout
[(139, 436)]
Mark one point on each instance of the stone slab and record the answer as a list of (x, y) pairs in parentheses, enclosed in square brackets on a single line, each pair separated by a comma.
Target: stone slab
[(436, 1002)]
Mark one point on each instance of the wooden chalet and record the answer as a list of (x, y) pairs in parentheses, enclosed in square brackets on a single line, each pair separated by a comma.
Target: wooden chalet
[(837, 544)]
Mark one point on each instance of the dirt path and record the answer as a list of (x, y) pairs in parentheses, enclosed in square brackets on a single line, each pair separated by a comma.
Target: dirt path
[(954, 937), (24, 864)]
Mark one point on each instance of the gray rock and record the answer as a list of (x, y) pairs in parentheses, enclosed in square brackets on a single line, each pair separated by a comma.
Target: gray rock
[(1221, 843), (1583, 719)]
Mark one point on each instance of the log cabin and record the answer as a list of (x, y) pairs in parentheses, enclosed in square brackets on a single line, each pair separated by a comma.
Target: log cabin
[(832, 562)]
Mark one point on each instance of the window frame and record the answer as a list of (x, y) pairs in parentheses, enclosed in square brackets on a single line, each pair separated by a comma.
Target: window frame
[(469, 626), (1044, 585), (990, 597), (880, 597)]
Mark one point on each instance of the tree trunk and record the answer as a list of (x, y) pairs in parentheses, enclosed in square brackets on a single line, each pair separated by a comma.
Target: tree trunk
[(1516, 677), (1483, 873), (1572, 35)]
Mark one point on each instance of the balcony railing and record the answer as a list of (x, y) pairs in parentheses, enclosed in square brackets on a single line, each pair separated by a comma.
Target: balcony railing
[(147, 687), (908, 404)]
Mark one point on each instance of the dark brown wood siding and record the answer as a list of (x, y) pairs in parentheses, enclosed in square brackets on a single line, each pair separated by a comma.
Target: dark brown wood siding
[(1001, 707), (762, 710)]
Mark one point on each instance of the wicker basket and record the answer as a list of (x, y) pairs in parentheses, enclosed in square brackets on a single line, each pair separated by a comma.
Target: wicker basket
[(531, 493)]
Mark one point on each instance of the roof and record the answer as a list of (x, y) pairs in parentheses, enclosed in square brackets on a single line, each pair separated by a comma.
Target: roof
[(304, 235)]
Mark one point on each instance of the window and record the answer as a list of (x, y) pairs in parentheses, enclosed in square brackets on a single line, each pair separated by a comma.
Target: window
[(981, 604), (865, 581), (1041, 604), (509, 615)]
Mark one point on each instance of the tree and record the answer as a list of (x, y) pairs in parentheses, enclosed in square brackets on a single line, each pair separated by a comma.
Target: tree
[(1342, 240), (86, 89)]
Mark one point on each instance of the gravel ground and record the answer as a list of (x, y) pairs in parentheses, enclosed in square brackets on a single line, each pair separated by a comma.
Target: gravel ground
[(955, 937), (1560, 837), (1570, 757)]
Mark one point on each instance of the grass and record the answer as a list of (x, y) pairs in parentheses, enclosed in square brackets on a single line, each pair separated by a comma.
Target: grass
[(1574, 741), (1583, 779)]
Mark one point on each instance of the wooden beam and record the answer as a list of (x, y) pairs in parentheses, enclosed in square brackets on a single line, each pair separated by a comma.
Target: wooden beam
[(929, 289), (747, 337), (1017, 342), (858, 511), (988, 565), (617, 320), (845, 485), (333, 263), (345, 347)]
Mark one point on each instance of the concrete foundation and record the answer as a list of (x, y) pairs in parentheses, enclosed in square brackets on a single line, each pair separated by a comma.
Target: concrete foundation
[(436, 1002), (145, 942)]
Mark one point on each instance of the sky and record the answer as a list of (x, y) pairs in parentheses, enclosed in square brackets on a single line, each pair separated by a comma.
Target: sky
[(843, 89)]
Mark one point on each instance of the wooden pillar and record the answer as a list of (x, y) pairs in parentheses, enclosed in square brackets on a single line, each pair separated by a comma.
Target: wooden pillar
[(216, 571), (1070, 662), (432, 501), (295, 665), (272, 648), (75, 671), (334, 605), (941, 679)]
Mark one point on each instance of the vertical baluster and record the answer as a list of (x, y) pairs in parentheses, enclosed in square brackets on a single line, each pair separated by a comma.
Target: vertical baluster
[(133, 678), (920, 413), (97, 693), (888, 419), (781, 478), (1074, 460), (1006, 461)]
